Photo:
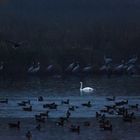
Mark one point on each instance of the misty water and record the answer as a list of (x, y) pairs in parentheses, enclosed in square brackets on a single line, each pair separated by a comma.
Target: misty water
[(56, 90)]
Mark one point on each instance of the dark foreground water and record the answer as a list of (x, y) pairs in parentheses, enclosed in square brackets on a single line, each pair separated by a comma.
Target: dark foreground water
[(56, 90)]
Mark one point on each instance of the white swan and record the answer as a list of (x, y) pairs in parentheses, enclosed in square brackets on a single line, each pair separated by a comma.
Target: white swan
[(86, 89)]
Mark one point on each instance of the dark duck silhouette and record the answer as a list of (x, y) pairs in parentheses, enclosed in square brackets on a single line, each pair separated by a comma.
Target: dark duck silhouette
[(14, 125)]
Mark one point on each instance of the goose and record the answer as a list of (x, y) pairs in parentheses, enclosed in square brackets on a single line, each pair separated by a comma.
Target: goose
[(76, 68), (86, 89), (50, 68), (87, 69), (36, 69), (132, 60), (31, 68), (70, 67), (107, 60)]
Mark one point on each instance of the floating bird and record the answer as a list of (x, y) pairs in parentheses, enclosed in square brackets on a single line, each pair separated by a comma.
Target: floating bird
[(131, 69), (76, 69), (50, 68), (107, 60), (14, 125), (86, 89), (29, 135), (87, 69), (70, 67), (34, 68), (31, 67), (132, 60)]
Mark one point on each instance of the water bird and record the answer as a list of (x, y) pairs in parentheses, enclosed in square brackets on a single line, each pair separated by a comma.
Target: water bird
[(72, 108), (87, 123), (75, 128), (14, 125), (65, 102), (4, 101), (76, 68), (31, 67), (51, 105), (68, 114), (111, 99), (45, 113), (88, 104), (132, 60), (87, 69), (107, 60), (34, 68), (70, 67), (38, 127), (29, 135), (22, 104), (40, 119), (27, 108), (134, 106), (60, 122), (131, 69), (40, 98), (86, 89), (50, 68)]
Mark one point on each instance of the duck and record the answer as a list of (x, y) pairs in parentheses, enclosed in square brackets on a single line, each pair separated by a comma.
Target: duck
[(88, 104), (14, 125), (40, 98), (111, 99), (29, 135), (38, 127), (4, 101), (27, 108), (134, 106), (75, 128), (45, 113), (70, 67), (65, 102)]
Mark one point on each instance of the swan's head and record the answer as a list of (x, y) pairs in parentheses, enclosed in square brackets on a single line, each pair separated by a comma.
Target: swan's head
[(81, 82)]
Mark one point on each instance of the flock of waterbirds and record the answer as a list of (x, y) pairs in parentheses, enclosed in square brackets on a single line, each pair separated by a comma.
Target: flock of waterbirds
[(109, 68), (120, 108)]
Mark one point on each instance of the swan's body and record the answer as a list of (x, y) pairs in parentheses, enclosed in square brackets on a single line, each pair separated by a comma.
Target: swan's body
[(86, 89)]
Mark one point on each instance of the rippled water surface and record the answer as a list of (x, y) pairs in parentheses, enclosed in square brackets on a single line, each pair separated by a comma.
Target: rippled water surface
[(56, 90)]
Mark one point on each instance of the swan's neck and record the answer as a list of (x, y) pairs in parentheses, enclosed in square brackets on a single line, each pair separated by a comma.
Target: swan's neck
[(81, 87)]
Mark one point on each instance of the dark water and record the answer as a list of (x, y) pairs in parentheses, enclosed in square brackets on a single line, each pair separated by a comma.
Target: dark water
[(56, 90)]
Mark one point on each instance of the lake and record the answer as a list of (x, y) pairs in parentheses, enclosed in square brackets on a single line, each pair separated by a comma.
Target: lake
[(56, 90)]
